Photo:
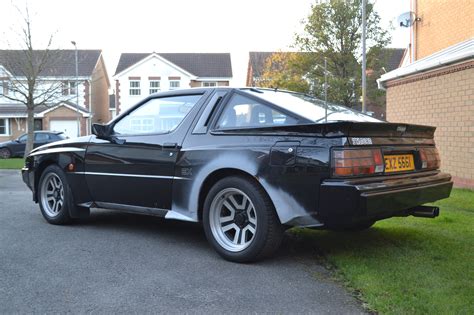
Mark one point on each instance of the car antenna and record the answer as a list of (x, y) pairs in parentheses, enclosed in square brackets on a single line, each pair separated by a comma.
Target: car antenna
[(276, 89)]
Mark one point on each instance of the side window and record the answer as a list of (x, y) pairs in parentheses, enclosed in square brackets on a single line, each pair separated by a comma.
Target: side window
[(41, 137), (158, 115), (23, 138), (244, 112)]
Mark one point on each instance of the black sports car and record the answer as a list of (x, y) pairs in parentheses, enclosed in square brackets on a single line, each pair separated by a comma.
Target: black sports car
[(247, 163), (16, 147)]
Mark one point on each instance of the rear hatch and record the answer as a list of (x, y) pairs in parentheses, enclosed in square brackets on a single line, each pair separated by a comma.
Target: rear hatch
[(384, 149)]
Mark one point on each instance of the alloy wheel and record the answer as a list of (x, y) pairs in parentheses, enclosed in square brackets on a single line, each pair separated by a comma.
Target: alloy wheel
[(233, 220), (52, 194)]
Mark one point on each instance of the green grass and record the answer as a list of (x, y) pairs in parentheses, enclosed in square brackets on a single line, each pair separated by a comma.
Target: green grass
[(408, 265), (12, 163)]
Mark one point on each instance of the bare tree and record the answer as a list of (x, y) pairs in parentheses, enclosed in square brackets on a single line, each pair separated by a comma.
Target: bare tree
[(27, 70)]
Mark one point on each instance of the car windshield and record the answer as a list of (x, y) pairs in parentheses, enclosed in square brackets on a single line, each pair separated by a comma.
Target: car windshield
[(311, 108)]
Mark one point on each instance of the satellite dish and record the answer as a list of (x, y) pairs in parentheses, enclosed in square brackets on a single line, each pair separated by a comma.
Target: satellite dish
[(407, 19)]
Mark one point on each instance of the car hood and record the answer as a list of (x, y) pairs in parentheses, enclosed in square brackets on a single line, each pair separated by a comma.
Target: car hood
[(79, 142), (5, 143)]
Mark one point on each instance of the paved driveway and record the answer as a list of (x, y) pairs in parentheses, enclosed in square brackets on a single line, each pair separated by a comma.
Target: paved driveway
[(116, 262)]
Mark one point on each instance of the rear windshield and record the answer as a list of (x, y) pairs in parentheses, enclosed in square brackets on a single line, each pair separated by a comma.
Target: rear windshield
[(311, 108)]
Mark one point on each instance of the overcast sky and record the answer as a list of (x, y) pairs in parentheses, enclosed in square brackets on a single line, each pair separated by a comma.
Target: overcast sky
[(235, 26)]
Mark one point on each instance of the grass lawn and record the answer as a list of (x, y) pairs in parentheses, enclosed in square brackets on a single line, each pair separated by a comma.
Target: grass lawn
[(408, 265), (12, 163)]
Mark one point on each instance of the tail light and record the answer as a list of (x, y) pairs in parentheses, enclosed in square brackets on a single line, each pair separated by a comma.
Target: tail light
[(429, 158), (355, 162)]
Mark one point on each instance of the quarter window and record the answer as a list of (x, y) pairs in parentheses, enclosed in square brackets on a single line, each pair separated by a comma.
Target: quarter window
[(158, 115), (4, 127), (243, 112), (135, 88), (41, 137), (154, 86)]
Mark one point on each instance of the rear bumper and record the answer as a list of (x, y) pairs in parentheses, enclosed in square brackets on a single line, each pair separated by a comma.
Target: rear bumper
[(357, 200)]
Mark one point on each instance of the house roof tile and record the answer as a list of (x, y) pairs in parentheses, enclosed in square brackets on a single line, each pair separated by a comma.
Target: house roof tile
[(211, 65), (62, 63)]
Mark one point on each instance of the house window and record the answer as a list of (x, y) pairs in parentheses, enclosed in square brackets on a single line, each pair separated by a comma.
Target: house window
[(209, 84), (4, 127), (154, 86), (135, 88), (142, 125), (69, 88), (4, 87), (174, 85)]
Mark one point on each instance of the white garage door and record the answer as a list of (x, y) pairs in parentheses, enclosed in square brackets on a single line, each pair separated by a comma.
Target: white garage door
[(69, 127)]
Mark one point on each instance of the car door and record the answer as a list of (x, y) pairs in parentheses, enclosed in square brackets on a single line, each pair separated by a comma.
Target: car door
[(135, 168), (40, 139), (18, 146)]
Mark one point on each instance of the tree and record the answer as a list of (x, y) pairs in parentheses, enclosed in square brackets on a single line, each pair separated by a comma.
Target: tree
[(284, 70), (333, 31), (26, 69)]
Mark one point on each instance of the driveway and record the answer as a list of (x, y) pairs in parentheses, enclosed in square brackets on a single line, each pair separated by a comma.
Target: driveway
[(120, 263)]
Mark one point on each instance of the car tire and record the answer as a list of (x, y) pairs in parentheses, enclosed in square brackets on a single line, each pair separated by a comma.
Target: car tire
[(240, 221), (54, 196), (5, 153)]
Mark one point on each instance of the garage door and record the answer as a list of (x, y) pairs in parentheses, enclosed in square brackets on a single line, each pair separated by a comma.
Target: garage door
[(69, 127)]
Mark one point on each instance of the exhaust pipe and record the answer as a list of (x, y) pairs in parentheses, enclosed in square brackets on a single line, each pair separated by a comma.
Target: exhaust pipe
[(424, 211)]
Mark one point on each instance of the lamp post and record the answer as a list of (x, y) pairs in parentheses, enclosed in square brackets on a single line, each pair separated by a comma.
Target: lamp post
[(364, 61), (77, 93)]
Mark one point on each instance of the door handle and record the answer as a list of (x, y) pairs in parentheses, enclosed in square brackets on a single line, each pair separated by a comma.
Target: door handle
[(170, 145)]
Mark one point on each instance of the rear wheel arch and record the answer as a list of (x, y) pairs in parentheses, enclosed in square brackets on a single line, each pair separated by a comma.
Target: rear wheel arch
[(240, 220), (217, 175)]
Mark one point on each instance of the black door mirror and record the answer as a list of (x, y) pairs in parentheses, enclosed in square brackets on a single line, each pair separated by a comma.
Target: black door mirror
[(101, 131)]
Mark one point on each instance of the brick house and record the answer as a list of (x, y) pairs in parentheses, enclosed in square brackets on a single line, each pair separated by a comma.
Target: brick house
[(256, 65), (61, 113), (140, 74), (436, 86)]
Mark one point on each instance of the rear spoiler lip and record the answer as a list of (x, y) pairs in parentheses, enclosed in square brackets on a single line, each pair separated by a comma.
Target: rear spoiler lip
[(340, 129)]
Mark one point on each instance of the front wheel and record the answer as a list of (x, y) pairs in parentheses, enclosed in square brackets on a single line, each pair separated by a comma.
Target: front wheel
[(240, 221), (54, 196)]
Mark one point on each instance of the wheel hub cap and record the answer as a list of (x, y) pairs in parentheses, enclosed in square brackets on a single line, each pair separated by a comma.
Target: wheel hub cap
[(52, 194), (233, 220)]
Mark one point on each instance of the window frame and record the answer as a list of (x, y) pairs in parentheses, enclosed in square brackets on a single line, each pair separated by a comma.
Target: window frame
[(68, 88), (218, 113), (173, 88), (5, 86), (39, 134), (209, 82), (6, 126), (202, 96), (154, 89), (137, 89)]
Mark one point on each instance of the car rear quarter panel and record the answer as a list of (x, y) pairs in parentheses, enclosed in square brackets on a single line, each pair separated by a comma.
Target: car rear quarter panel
[(290, 170)]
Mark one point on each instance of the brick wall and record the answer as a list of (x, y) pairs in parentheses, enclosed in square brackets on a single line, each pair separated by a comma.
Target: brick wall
[(100, 94), (443, 23), (443, 98)]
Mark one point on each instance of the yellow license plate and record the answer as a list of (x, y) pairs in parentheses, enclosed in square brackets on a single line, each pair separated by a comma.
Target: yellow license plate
[(399, 163)]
